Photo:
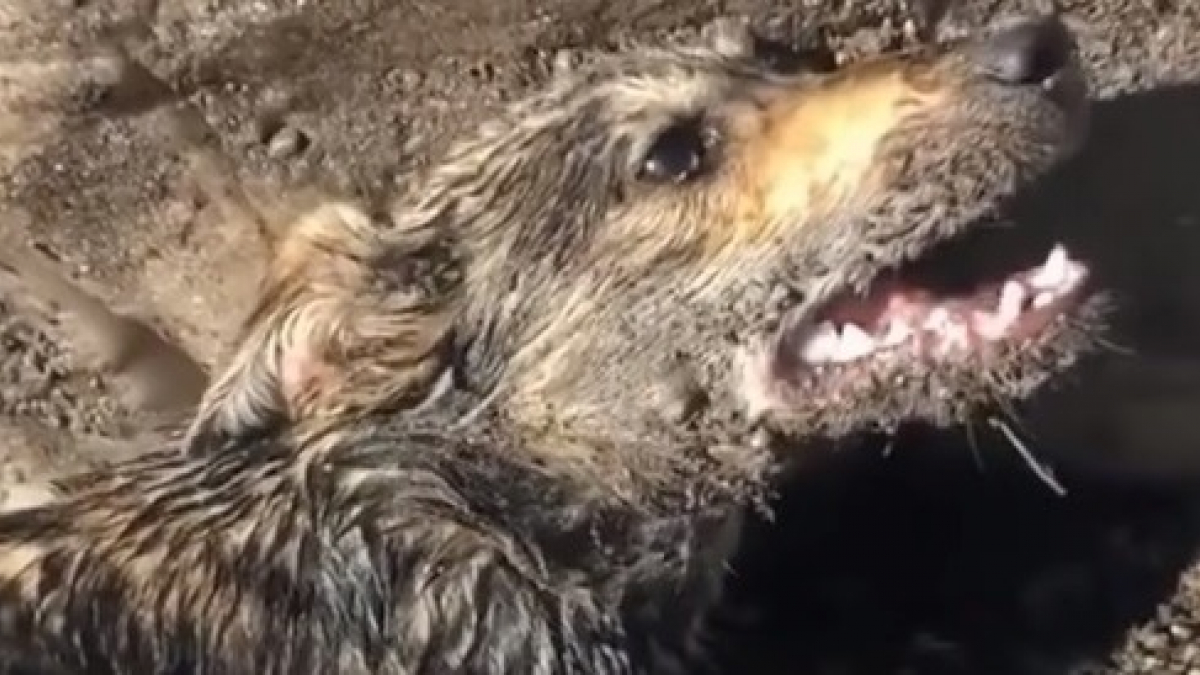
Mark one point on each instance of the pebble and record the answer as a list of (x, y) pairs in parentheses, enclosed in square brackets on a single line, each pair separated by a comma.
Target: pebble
[(408, 78), (287, 142), (564, 61)]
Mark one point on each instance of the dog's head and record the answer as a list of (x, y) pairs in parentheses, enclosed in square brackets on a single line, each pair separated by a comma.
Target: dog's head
[(676, 247)]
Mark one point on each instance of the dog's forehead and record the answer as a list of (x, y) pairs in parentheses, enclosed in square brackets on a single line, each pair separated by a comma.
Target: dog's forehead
[(647, 84)]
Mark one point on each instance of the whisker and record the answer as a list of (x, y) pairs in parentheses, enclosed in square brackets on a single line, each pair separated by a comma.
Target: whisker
[(973, 444), (1042, 471)]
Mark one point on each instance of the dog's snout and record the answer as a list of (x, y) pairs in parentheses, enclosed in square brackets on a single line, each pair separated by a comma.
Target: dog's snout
[(1028, 52)]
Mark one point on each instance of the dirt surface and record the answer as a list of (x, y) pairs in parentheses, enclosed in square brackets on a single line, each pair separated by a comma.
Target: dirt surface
[(144, 146)]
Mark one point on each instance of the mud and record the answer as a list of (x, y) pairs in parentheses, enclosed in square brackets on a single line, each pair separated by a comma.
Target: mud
[(143, 144)]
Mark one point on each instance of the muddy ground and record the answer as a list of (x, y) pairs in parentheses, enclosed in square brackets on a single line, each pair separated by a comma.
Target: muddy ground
[(142, 143)]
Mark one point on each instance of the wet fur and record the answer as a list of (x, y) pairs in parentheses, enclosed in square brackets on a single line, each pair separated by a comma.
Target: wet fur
[(498, 431)]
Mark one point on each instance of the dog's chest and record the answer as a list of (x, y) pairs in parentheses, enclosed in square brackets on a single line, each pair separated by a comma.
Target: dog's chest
[(675, 621), (663, 577)]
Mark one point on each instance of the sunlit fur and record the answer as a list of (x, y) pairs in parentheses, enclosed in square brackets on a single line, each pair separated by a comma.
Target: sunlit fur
[(497, 431)]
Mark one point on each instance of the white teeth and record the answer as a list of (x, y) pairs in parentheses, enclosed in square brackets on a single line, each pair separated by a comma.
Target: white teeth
[(825, 344), (897, 332), (989, 325), (1011, 297), (938, 319), (855, 343), (1057, 260), (954, 326), (1075, 274), (1054, 272), (821, 345), (956, 336)]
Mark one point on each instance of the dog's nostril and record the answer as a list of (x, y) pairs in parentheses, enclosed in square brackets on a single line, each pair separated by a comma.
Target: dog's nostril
[(1029, 52)]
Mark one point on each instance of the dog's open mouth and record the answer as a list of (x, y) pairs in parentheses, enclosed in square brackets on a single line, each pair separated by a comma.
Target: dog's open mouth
[(986, 316), (901, 318)]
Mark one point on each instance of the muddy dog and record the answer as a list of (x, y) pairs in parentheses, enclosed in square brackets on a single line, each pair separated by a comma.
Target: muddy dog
[(512, 426)]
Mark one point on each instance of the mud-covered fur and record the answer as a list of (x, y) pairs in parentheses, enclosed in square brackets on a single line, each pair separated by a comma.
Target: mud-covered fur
[(501, 429)]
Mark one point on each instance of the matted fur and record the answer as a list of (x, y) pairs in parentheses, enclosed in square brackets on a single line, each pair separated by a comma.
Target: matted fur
[(500, 432)]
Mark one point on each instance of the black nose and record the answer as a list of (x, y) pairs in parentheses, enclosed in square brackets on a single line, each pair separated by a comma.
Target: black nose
[(1029, 52)]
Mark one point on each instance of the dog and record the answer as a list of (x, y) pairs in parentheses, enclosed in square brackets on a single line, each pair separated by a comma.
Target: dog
[(513, 424)]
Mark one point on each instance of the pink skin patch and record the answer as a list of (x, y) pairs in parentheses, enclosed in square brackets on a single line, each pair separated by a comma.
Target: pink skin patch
[(302, 374)]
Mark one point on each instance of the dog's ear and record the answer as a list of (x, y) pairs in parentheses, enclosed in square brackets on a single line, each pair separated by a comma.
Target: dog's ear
[(353, 317)]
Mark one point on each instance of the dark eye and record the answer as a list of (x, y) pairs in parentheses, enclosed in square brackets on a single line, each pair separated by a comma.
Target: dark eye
[(792, 59), (677, 154)]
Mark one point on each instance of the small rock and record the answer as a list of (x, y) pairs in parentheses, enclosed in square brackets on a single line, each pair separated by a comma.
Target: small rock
[(1188, 654), (287, 142), (564, 61), (1154, 641), (407, 78)]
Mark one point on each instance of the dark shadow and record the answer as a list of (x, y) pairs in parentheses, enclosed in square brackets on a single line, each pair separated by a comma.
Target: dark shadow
[(926, 561), (922, 560)]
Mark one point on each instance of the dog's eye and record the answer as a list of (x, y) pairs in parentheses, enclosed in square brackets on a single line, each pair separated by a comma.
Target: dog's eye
[(795, 61), (677, 154)]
